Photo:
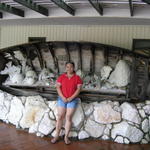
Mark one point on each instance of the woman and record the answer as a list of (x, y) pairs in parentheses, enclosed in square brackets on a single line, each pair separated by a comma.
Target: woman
[(68, 87)]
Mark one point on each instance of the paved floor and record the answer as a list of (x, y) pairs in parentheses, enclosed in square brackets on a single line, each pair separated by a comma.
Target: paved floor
[(16, 139)]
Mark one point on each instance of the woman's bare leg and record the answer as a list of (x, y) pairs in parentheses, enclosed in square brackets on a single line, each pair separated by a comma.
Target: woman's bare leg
[(60, 117), (69, 114)]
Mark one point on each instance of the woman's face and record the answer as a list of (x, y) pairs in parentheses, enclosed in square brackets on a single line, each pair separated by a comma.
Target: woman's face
[(69, 68)]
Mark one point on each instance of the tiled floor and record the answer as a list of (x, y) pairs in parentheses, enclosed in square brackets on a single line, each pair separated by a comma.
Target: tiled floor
[(16, 139)]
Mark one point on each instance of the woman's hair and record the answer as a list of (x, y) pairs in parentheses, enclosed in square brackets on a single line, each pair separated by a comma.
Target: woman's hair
[(70, 62)]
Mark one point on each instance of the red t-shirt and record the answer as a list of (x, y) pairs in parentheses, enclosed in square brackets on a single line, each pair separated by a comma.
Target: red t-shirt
[(69, 85)]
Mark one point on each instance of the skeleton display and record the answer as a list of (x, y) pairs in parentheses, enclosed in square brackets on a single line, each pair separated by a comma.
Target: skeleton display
[(117, 78), (103, 69)]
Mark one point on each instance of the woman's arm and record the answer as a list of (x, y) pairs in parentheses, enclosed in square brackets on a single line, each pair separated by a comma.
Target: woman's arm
[(76, 93), (60, 93)]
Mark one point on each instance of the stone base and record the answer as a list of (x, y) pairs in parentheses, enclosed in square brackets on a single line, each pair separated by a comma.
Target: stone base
[(107, 120)]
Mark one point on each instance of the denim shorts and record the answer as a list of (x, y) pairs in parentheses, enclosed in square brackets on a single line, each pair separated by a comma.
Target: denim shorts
[(72, 104)]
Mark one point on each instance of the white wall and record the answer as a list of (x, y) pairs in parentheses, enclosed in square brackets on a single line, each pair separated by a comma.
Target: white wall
[(117, 35)]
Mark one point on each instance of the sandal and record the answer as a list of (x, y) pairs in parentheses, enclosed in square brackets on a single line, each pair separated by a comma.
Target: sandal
[(67, 141), (55, 140)]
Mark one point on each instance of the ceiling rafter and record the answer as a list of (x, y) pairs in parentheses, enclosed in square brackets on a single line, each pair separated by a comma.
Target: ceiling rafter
[(97, 6), (64, 6), (131, 7), (32, 5), (12, 10), (1, 15), (146, 1)]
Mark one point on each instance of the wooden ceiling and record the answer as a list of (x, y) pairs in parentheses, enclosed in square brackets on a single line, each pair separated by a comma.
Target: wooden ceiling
[(18, 7)]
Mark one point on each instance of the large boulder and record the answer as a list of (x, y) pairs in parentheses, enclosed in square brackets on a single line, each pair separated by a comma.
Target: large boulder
[(121, 75), (104, 113), (124, 129), (83, 135), (88, 108), (30, 77), (145, 125), (53, 106), (94, 129), (17, 78), (35, 107), (33, 128), (130, 113), (5, 101), (147, 109), (78, 117), (46, 125), (16, 111), (105, 72)]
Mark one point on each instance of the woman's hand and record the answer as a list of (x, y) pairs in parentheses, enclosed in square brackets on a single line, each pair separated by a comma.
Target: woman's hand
[(69, 99), (64, 99)]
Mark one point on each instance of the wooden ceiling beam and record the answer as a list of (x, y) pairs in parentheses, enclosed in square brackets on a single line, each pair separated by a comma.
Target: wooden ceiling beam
[(12, 10), (63, 5), (32, 5), (131, 7), (98, 7)]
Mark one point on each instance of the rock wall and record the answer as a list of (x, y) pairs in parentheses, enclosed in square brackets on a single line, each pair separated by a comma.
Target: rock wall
[(107, 120)]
